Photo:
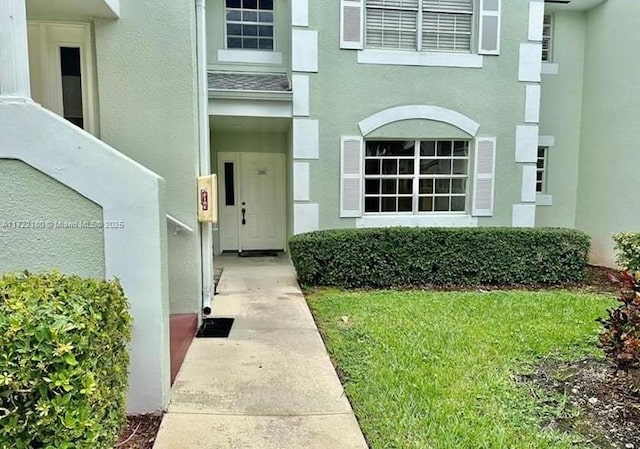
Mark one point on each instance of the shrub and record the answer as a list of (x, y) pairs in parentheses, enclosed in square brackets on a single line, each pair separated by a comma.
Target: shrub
[(621, 337), (387, 257), (64, 360), (628, 250)]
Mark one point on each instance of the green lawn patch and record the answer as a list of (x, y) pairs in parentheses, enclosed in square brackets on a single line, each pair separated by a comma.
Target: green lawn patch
[(439, 369)]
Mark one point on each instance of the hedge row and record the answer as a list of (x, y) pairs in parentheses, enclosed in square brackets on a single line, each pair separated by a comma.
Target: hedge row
[(64, 361), (628, 250), (392, 257)]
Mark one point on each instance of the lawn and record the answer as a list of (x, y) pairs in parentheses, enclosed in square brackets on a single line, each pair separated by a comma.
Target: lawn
[(440, 369)]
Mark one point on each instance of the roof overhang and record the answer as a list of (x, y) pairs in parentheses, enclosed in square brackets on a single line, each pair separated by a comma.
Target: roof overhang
[(571, 5), (73, 9)]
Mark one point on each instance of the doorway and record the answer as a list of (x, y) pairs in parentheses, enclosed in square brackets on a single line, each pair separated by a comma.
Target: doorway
[(252, 201)]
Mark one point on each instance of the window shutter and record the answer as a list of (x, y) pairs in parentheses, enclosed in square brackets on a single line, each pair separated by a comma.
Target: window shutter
[(489, 35), (351, 24), (484, 178), (351, 172)]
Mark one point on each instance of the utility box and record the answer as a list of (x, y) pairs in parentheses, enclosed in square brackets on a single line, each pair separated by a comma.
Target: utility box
[(208, 199)]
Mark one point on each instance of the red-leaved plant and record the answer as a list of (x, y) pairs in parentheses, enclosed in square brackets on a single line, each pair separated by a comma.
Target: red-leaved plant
[(621, 337)]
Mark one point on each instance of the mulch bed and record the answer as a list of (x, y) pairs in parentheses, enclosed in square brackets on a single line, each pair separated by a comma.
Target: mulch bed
[(139, 432)]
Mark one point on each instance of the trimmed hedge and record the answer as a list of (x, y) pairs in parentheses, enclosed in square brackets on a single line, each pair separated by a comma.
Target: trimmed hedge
[(393, 257), (628, 250), (64, 361)]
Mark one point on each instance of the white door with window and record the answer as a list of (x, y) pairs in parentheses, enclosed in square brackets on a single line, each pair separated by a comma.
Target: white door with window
[(252, 201)]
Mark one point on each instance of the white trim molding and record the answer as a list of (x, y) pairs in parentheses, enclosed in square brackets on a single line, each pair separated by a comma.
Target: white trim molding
[(536, 20), (524, 216), (420, 58), (528, 191), (300, 13), (250, 108), (424, 112), (527, 143), (304, 50), (544, 200), (300, 85), (306, 218), (530, 62), (306, 138), (436, 221), (301, 181), (550, 68), (532, 103), (14, 52), (546, 141), (250, 56)]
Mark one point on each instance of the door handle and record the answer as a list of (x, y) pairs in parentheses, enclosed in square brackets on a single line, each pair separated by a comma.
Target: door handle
[(244, 211)]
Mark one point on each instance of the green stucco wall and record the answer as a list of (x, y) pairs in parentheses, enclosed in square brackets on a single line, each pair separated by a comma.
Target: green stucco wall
[(43, 224), (345, 92), (561, 117), (609, 179), (146, 71)]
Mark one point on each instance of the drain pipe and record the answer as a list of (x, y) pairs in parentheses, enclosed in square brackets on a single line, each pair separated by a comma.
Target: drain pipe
[(206, 229)]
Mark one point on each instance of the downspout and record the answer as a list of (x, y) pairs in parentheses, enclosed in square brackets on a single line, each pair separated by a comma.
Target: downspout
[(206, 229)]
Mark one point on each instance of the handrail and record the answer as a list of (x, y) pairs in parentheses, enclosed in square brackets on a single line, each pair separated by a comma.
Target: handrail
[(179, 226)]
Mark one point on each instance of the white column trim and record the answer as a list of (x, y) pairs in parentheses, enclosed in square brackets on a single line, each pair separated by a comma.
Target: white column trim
[(546, 141), (524, 216), (300, 13), (301, 181), (14, 50), (532, 103), (530, 62), (304, 50), (527, 143), (306, 138), (306, 218), (300, 95), (536, 20), (528, 190), (550, 68)]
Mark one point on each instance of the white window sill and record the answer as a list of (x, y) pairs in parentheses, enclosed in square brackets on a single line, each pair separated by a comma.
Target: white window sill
[(420, 58), (544, 200), (550, 68), (438, 221), (250, 56)]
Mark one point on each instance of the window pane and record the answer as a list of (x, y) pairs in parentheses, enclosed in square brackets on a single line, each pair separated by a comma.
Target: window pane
[(372, 186), (265, 44), (389, 186), (443, 185), (266, 4), (460, 167), (265, 17), (234, 29), (405, 186), (458, 203), (389, 204), (250, 16), (250, 4), (229, 185), (250, 30), (406, 166), (441, 204), (444, 148), (458, 186), (461, 148), (405, 204), (233, 4), (372, 167), (70, 69), (390, 148), (234, 42), (265, 31), (426, 186), (250, 43), (234, 16), (425, 204), (429, 167), (372, 204), (390, 167), (427, 148)]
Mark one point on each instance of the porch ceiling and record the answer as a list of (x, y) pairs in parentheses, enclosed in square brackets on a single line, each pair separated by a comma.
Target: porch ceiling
[(249, 124), (571, 5), (73, 9)]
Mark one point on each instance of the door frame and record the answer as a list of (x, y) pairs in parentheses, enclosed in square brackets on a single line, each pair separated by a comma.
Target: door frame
[(236, 158)]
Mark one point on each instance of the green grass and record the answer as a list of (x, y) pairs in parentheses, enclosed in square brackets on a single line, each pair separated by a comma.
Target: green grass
[(437, 370)]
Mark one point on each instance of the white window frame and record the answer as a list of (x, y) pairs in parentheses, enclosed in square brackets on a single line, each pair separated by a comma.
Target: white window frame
[(547, 37), (420, 12), (416, 177), (257, 50)]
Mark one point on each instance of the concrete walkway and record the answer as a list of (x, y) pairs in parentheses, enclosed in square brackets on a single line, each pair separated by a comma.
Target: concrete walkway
[(271, 383)]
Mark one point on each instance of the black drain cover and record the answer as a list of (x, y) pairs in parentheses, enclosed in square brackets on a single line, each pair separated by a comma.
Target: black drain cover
[(215, 328)]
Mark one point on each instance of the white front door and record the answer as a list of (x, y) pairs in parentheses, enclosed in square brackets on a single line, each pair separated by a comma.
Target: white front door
[(252, 201)]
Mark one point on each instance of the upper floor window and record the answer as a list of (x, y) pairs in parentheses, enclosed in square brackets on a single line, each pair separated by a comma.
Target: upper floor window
[(416, 176), (250, 24), (423, 25), (547, 30), (541, 170)]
